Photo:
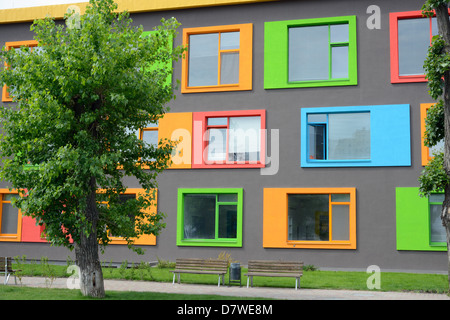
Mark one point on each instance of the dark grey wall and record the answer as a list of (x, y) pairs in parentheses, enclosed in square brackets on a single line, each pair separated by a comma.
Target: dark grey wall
[(376, 224)]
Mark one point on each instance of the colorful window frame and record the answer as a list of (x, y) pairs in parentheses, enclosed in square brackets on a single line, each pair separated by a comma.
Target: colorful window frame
[(245, 58), (276, 225), (10, 45), (276, 53), (148, 240), (389, 136), (200, 139), (178, 127), (394, 18), (4, 235), (413, 221), (150, 135), (426, 152), (217, 241), (166, 65)]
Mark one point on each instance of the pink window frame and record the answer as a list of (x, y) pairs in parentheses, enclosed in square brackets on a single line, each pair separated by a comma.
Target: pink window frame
[(200, 143), (393, 30)]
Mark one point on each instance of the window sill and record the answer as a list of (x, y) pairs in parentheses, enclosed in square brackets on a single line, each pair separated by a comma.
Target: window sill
[(10, 238), (337, 163), (408, 79), (312, 84), (218, 88), (210, 243), (320, 245), (228, 166)]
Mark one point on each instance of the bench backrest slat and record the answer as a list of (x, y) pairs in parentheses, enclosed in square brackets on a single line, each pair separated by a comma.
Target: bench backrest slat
[(275, 266), (201, 264), (5, 261)]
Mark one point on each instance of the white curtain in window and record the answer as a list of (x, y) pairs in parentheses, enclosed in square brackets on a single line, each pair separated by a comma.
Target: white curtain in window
[(244, 139)]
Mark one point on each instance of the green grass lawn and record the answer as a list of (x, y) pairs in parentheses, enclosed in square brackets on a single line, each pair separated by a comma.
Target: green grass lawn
[(433, 283), (28, 293)]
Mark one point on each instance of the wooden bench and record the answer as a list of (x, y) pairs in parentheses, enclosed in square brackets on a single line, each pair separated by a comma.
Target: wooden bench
[(6, 268), (200, 266), (266, 268)]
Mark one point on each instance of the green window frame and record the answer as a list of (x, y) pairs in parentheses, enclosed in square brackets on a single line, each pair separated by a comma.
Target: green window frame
[(413, 221), (223, 197), (277, 49), (435, 201)]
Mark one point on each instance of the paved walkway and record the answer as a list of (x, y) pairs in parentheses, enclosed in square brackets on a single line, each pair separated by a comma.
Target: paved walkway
[(276, 293)]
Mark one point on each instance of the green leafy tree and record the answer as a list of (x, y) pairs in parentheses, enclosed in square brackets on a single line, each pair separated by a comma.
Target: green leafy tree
[(436, 175), (69, 139)]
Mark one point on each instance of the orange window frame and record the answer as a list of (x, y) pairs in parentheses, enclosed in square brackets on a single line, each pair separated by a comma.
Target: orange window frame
[(425, 151), (149, 240), (141, 136), (15, 44), (275, 219), (10, 237), (245, 58)]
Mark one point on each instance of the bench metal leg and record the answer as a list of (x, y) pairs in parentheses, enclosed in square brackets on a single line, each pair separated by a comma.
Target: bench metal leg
[(251, 280), (296, 281), (173, 281)]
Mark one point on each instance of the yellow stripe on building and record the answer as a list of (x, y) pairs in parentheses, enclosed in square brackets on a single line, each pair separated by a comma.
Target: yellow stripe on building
[(58, 11)]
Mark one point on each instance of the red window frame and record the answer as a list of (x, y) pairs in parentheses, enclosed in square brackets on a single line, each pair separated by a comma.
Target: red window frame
[(200, 141), (394, 17)]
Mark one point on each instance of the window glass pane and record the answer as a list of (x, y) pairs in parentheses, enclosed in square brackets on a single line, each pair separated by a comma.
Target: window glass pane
[(229, 68), (199, 216), (439, 147), (339, 33), (10, 216), (339, 62), (229, 40), (308, 53), (244, 138), (130, 131), (317, 117), (203, 59), (308, 217), (150, 137), (437, 230), (227, 197), (340, 197), (217, 121), (413, 43), (228, 221), (341, 222), (436, 197), (317, 145), (217, 144), (434, 27), (151, 124), (9, 197), (349, 136)]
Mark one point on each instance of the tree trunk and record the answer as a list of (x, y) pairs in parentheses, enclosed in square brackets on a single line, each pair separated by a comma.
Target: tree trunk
[(443, 22), (91, 275)]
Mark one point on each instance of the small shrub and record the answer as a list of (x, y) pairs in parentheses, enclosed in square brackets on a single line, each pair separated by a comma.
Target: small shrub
[(165, 263)]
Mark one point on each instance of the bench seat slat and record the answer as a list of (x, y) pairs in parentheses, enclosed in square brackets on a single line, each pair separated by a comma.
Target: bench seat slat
[(274, 268), (199, 271), (279, 274), (200, 266)]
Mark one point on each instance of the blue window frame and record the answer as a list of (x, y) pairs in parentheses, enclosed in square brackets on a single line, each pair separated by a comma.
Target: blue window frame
[(355, 136)]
